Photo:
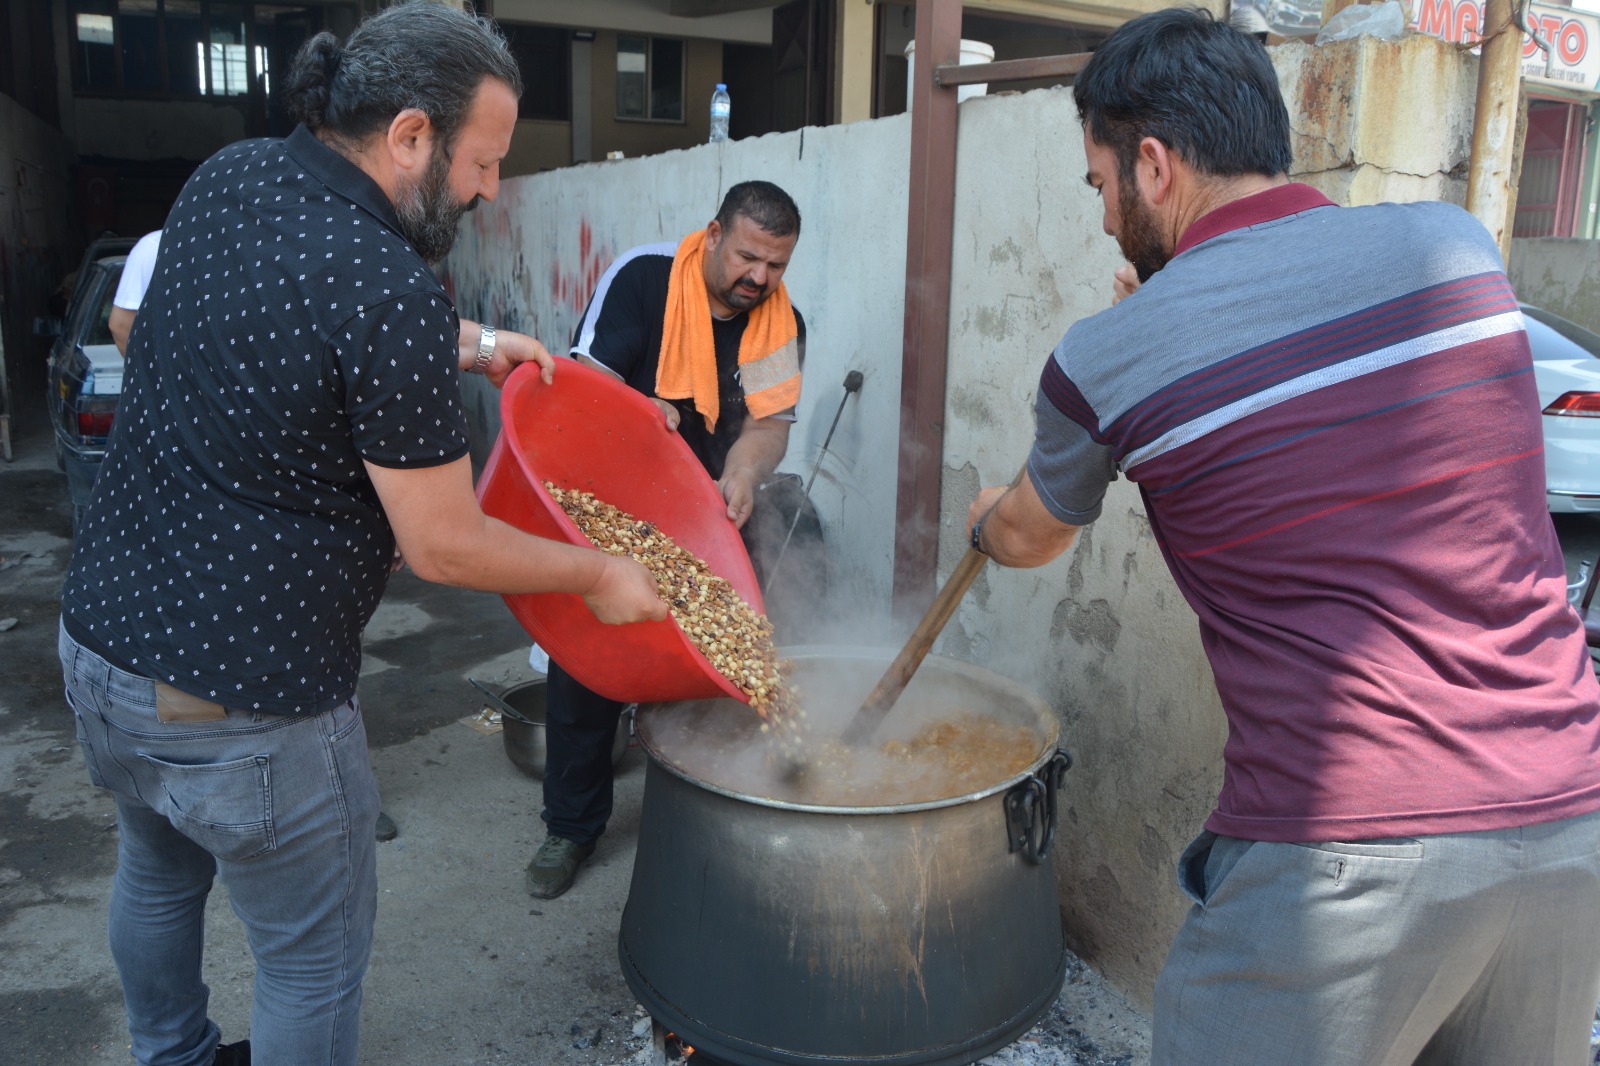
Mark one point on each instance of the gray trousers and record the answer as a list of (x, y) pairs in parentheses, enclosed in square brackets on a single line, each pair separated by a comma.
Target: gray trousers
[(1469, 949)]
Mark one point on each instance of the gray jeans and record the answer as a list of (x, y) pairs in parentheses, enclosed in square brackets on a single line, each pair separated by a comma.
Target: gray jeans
[(1469, 949), (282, 809)]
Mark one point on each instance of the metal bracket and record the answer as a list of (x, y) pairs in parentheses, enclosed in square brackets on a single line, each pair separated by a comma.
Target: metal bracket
[(1519, 15)]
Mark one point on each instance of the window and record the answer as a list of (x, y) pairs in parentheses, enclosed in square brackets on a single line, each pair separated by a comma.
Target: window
[(542, 54), (182, 49), (650, 78)]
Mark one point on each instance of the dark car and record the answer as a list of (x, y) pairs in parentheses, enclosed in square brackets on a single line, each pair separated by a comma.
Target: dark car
[(103, 246), (85, 380)]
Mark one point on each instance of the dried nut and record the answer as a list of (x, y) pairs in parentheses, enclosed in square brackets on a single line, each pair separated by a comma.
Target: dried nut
[(736, 640)]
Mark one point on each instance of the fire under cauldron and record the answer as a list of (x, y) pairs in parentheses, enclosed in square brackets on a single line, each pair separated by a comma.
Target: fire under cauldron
[(765, 927)]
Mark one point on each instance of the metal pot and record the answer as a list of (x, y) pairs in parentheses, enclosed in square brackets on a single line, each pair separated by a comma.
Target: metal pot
[(766, 931), (522, 709)]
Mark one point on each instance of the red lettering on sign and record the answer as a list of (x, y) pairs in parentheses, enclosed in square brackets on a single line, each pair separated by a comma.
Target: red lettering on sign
[(1436, 17), (1573, 42), (1460, 21)]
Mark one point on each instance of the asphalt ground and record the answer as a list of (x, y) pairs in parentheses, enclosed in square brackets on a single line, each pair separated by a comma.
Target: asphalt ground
[(466, 967)]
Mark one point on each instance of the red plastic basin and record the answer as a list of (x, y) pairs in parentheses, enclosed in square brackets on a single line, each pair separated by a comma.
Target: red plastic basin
[(589, 431)]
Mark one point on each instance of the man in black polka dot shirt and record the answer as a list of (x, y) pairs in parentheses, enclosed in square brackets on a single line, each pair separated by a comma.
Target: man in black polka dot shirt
[(291, 425)]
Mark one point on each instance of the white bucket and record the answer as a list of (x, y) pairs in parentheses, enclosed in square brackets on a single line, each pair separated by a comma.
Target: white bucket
[(971, 52)]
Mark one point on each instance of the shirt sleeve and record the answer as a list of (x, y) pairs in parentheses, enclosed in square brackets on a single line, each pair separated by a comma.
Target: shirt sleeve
[(1069, 467), (398, 365), (136, 271), (616, 326)]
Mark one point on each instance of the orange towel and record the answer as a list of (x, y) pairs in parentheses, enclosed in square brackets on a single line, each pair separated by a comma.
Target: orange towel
[(769, 351)]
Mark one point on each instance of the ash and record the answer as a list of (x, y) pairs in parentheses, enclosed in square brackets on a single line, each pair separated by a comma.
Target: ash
[(1090, 1024)]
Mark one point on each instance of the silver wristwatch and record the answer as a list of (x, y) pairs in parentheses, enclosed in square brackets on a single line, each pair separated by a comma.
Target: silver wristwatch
[(485, 349)]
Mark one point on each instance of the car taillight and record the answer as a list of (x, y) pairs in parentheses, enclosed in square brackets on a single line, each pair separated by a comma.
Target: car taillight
[(1580, 404), (95, 416)]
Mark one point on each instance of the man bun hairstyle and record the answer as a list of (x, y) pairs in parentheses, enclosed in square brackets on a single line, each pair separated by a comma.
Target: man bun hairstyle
[(420, 54), (762, 203), (1199, 86)]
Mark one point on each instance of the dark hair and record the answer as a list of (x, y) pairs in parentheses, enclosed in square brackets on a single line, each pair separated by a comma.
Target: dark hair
[(422, 54), (1199, 86), (762, 203)]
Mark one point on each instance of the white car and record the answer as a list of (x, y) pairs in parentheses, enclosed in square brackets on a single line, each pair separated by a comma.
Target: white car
[(1566, 371)]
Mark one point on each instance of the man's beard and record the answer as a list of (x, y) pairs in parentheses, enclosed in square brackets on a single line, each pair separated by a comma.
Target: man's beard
[(1140, 234), (429, 212), (740, 300)]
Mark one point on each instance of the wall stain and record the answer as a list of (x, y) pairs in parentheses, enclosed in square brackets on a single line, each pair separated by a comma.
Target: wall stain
[(1154, 851), (1084, 549), (1005, 252), (972, 405), (1093, 624)]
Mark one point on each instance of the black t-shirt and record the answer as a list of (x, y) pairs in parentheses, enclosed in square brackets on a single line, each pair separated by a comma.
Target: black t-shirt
[(235, 547), (622, 327)]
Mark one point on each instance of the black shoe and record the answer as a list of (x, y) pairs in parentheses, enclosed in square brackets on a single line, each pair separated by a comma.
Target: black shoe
[(555, 865), (233, 1054), (387, 830)]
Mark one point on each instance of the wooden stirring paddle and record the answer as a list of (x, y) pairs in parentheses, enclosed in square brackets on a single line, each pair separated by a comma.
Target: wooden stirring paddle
[(894, 680), (898, 676)]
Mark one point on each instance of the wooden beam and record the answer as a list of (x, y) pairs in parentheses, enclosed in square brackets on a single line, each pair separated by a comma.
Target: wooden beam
[(1063, 66), (926, 336), (1494, 129), (702, 8)]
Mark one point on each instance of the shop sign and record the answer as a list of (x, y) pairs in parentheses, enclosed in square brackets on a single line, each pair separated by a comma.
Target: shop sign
[(1574, 37)]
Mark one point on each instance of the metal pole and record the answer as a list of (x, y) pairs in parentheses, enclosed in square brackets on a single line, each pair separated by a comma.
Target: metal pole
[(1494, 126), (1588, 225), (852, 383), (927, 311)]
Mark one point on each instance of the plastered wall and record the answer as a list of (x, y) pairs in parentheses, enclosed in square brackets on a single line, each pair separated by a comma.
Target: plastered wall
[(1560, 274), (1101, 633), (530, 260)]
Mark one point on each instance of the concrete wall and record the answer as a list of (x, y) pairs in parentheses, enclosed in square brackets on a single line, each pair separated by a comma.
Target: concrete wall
[(1560, 274), (39, 242), (530, 260), (1390, 120), (1102, 633)]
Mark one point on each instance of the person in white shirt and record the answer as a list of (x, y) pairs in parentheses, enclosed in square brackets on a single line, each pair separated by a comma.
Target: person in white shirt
[(136, 271)]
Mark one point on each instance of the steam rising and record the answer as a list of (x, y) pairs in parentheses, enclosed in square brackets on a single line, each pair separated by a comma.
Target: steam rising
[(719, 741)]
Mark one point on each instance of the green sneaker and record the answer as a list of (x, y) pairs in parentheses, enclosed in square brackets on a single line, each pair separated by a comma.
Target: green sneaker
[(555, 865)]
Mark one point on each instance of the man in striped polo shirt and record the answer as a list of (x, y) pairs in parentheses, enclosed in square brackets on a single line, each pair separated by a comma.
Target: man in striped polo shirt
[(1330, 414)]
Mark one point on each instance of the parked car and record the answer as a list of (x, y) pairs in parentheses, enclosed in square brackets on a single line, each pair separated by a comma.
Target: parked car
[(85, 380), (60, 302), (1566, 370)]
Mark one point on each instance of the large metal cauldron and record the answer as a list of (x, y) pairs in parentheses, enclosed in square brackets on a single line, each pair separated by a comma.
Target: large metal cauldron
[(768, 931)]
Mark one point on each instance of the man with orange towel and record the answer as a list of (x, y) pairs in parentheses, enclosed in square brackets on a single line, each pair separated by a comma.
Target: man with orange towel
[(704, 327)]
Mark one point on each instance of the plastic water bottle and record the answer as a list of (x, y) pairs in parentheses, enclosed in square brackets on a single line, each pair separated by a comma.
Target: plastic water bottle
[(721, 105)]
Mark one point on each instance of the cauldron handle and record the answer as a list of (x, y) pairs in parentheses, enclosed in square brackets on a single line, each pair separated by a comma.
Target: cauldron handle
[(1030, 808)]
